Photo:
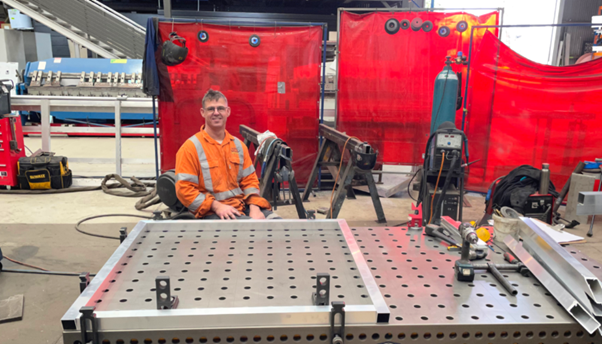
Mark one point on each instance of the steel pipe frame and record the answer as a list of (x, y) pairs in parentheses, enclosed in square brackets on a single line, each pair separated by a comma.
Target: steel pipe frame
[(46, 104), (575, 277)]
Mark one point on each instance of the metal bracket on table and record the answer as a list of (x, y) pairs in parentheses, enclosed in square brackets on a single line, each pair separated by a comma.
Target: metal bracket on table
[(321, 297), (337, 337), (88, 317), (84, 281), (123, 233), (163, 290), (590, 203)]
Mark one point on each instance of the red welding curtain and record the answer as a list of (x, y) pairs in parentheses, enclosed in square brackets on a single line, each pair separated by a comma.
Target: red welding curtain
[(386, 81), (249, 77), (522, 112)]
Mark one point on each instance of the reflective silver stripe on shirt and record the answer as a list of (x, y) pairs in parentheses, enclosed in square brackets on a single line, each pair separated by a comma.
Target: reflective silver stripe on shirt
[(220, 196), (204, 163), (194, 206), (249, 191), (241, 157), (187, 178), (248, 171)]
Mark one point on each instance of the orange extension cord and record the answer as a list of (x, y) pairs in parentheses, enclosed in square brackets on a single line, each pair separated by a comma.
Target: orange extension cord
[(339, 172)]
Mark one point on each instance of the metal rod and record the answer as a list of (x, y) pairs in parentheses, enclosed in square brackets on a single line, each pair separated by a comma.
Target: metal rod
[(503, 281), (118, 137), (40, 272), (134, 125), (337, 54), (255, 23), (390, 172), (325, 29), (591, 225), (484, 266), (45, 113), (88, 123), (155, 119)]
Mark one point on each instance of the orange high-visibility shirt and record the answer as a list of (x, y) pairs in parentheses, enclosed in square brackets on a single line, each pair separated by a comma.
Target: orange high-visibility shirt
[(208, 171)]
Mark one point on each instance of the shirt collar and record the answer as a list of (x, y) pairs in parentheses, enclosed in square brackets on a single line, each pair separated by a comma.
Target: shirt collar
[(227, 137)]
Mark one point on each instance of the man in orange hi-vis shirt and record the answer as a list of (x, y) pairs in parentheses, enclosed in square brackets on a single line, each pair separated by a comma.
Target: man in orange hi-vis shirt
[(215, 175)]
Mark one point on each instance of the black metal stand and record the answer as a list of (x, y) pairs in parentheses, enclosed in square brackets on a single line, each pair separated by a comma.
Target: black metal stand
[(277, 170), (88, 318), (362, 160), (84, 281)]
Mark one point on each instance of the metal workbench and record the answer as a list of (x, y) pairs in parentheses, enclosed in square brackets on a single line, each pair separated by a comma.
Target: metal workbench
[(251, 281)]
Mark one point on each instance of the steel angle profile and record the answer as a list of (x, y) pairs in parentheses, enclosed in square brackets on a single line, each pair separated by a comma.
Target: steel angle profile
[(566, 300), (561, 264)]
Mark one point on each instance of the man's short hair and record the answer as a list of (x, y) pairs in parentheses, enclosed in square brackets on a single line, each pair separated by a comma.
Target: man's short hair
[(214, 95)]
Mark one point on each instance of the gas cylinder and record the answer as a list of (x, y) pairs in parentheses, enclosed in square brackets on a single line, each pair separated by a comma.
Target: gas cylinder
[(444, 96)]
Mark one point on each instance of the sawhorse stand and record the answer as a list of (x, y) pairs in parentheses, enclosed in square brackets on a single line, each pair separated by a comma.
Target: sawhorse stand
[(276, 170), (362, 160)]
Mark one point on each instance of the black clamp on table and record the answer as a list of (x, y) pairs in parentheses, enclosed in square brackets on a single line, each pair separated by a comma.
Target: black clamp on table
[(88, 317)]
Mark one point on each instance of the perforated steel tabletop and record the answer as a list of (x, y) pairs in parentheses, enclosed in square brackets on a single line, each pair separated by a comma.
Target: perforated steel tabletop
[(272, 264)]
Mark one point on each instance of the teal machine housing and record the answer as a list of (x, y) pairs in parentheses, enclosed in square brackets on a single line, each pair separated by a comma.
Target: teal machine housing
[(445, 97)]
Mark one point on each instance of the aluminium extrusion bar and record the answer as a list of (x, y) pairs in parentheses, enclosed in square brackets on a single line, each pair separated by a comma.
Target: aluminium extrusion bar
[(566, 300), (560, 263), (237, 317)]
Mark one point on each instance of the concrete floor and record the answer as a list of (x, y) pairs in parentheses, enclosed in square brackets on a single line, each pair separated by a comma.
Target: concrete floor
[(38, 229)]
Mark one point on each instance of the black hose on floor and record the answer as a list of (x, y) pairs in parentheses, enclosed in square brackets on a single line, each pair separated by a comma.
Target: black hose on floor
[(105, 215), (38, 272)]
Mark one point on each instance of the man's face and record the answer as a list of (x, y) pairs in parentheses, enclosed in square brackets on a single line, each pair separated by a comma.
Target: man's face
[(215, 112)]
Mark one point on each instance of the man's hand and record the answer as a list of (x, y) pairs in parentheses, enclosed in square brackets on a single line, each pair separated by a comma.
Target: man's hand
[(255, 212), (224, 211)]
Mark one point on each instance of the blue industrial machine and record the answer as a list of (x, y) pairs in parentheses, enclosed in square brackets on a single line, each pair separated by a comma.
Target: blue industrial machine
[(85, 78)]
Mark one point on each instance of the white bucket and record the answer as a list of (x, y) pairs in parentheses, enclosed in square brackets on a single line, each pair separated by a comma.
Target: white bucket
[(504, 226)]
